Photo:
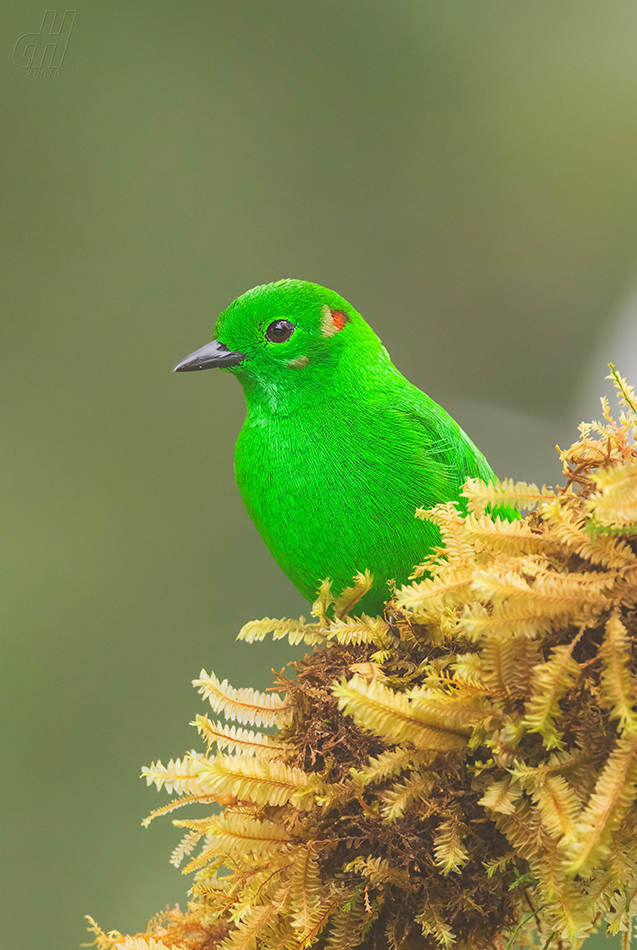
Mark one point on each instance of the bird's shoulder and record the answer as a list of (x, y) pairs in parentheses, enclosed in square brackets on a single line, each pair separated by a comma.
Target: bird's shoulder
[(415, 419)]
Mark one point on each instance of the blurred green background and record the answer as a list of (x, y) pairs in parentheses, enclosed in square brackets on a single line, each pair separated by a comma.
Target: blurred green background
[(465, 173)]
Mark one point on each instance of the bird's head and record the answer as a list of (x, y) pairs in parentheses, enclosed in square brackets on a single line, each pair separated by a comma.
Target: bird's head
[(279, 336)]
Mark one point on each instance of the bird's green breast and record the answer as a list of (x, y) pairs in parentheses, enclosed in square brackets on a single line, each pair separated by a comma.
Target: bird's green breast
[(333, 487)]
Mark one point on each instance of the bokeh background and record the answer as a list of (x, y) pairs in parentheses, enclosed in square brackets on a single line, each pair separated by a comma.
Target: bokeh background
[(465, 173)]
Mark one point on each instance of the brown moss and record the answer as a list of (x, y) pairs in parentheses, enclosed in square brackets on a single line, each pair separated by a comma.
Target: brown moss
[(462, 772)]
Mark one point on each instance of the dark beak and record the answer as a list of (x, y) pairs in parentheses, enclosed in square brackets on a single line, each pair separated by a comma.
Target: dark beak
[(211, 355)]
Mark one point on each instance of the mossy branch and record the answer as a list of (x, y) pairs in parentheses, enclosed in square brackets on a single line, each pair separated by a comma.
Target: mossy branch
[(461, 773)]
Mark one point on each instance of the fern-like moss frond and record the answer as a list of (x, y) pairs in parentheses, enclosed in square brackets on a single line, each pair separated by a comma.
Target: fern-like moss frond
[(456, 545), (614, 794), (295, 631), (235, 738), (202, 799), (626, 396), (399, 799), (500, 657), (618, 686), (551, 680), (558, 804), (180, 775), (187, 844), (307, 888), (348, 925), (386, 765), (509, 538), (259, 780), (449, 853), (522, 608), (379, 871), (568, 526), (243, 705), (433, 925), (427, 598), (231, 834), (353, 595), (502, 796), (365, 629), (258, 920), (390, 713), (454, 708), (521, 495), (324, 601), (615, 502), (327, 908)]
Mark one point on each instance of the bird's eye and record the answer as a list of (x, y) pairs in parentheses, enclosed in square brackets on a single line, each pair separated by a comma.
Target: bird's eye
[(279, 331)]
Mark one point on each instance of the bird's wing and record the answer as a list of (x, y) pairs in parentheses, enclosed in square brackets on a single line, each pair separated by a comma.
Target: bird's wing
[(437, 444)]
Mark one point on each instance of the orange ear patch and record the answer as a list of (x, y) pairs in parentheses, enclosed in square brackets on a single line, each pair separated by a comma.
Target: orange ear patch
[(333, 321), (338, 319)]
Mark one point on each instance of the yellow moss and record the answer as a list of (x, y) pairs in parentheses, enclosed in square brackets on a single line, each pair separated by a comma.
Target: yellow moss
[(460, 773)]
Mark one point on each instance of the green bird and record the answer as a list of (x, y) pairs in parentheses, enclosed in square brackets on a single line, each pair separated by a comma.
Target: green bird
[(338, 448)]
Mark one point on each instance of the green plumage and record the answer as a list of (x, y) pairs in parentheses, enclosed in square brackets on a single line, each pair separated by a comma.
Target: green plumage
[(338, 449)]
